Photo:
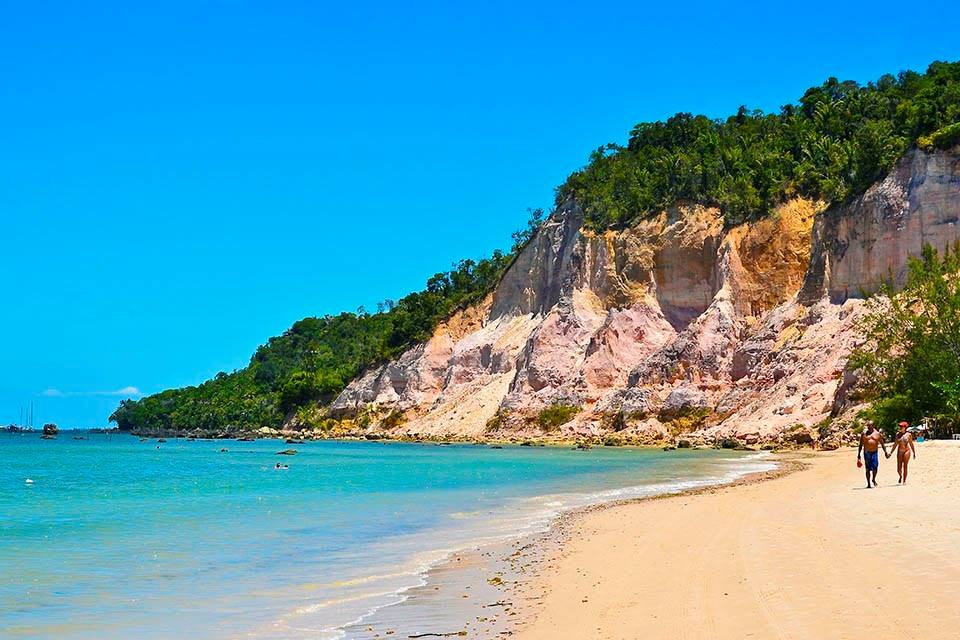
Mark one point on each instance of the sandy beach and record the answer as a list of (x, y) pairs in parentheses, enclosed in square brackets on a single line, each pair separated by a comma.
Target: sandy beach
[(812, 554)]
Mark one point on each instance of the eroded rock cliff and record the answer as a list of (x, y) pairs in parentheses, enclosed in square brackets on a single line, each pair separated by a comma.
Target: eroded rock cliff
[(675, 326)]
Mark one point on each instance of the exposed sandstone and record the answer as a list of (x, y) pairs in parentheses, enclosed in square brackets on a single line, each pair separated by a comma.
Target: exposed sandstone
[(684, 398), (859, 246), (750, 327)]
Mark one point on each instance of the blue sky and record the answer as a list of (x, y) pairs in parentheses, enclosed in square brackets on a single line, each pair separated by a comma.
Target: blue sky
[(180, 182)]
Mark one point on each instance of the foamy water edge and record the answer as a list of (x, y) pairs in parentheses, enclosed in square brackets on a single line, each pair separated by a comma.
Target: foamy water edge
[(539, 522)]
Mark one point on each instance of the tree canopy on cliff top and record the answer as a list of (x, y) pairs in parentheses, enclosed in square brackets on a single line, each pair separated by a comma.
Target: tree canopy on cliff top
[(831, 145)]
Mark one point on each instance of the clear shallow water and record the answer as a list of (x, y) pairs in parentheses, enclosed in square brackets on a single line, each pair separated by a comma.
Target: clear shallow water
[(119, 538)]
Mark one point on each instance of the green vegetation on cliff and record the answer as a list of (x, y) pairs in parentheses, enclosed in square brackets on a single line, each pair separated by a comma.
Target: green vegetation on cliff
[(910, 365), (555, 415), (832, 145), (317, 357)]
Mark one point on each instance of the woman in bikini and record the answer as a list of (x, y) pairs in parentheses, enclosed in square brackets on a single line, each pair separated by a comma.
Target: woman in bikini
[(905, 451)]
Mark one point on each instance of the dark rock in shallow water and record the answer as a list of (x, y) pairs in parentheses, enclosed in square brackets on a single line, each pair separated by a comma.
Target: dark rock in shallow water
[(294, 441), (161, 440), (50, 429), (683, 444), (496, 446), (287, 452), (223, 450), (669, 447), (245, 439)]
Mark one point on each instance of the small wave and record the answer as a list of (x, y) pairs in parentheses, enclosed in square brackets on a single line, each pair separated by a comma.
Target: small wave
[(464, 515), (354, 582), (519, 518)]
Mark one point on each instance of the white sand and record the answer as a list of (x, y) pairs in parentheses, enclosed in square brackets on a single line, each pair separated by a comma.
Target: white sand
[(808, 555)]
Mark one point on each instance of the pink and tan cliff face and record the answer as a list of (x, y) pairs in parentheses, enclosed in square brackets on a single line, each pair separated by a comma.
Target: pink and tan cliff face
[(863, 244), (676, 325)]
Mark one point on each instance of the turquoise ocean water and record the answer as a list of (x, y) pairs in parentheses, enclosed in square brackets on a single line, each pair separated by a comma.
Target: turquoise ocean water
[(118, 538)]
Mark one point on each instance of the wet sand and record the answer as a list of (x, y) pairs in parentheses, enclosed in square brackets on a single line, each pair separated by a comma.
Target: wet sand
[(810, 554)]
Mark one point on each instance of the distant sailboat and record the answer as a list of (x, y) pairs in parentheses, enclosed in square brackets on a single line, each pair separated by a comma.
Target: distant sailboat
[(22, 425)]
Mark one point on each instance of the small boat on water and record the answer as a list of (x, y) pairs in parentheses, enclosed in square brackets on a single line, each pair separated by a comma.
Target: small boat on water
[(16, 428), (26, 422)]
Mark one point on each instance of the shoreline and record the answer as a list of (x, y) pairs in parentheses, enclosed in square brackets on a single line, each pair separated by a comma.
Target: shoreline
[(502, 572), (520, 439), (547, 546), (730, 561), (502, 569)]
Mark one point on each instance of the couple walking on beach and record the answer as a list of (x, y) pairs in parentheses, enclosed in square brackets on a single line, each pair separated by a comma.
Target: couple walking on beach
[(871, 441)]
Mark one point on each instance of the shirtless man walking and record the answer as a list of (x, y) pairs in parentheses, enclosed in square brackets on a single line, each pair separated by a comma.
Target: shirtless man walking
[(871, 440), (905, 450)]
